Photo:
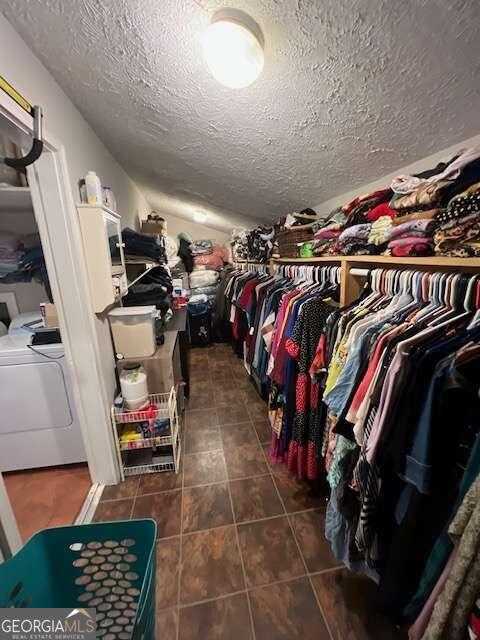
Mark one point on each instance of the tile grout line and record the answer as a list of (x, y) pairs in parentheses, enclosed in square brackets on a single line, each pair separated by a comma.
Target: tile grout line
[(297, 545), (274, 517), (132, 510), (237, 537), (244, 573), (271, 479), (235, 528), (224, 596), (207, 484), (197, 486), (324, 571), (247, 590), (292, 528), (180, 539), (277, 582)]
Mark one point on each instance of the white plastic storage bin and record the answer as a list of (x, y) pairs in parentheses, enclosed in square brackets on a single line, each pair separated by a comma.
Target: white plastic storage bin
[(133, 330)]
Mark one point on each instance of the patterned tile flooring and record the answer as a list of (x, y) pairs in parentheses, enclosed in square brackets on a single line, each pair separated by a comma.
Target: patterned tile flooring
[(241, 552)]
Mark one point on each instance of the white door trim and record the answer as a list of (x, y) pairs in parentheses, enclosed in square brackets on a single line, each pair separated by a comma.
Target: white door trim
[(10, 541), (63, 250), (59, 229)]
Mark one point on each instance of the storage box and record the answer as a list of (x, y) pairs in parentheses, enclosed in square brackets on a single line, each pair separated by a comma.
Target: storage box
[(133, 331), (153, 228), (49, 314)]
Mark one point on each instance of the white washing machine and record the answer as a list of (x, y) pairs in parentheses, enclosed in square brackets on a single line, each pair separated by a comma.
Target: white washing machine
[(38, 422)]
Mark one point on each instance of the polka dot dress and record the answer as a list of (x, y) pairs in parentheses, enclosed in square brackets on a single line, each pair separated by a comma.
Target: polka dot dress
[(459, 207)]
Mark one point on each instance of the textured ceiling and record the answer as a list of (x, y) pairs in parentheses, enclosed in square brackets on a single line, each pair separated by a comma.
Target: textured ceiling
[(350, 91)]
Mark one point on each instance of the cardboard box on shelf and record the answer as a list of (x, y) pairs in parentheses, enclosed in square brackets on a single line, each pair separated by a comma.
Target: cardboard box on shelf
[(49, 314), (153, 228)]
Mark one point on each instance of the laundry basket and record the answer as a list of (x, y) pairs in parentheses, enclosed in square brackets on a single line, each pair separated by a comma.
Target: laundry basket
[(109, 566)]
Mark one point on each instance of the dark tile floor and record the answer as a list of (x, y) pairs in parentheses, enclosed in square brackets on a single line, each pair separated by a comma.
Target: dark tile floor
[(241, 553)]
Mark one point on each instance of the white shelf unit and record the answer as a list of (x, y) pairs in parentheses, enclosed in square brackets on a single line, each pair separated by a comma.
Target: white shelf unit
[(15, 199), (142, 456), (105, 273)]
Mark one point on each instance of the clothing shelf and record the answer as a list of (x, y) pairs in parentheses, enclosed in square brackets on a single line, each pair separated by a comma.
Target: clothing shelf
[(431, 261), (350, 284), (15, 199), (250, 262)]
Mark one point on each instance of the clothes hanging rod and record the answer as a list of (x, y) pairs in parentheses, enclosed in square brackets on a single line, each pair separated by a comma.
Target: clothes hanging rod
[(360, 272)]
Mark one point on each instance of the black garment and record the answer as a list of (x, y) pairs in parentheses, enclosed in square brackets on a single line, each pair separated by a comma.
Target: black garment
[(222, 330), (470, 175), (410, 547), (158, 276), (200, 325), (260, 243), (144, 299), (455, 410), (441, 166), (185, 253), (139, 244), (153, 289)]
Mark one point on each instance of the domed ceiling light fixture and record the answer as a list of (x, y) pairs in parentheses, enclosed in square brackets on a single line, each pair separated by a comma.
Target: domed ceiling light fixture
[(233, 48), (200, 216)]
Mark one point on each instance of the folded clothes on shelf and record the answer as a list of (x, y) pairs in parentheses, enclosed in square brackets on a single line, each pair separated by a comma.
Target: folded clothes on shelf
[(367, 224), (140, 244), (201, 247)]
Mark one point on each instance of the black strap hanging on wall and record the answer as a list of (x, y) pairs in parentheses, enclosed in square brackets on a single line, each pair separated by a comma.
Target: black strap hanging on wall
[(36, 113)]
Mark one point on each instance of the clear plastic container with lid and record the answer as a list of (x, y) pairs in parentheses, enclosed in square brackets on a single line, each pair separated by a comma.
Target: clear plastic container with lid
[(133, 331)]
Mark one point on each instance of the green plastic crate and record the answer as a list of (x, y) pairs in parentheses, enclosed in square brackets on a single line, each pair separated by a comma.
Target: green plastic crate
[(109, 566)]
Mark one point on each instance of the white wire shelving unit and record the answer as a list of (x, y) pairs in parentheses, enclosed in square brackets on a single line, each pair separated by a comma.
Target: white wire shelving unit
[(160, 452)]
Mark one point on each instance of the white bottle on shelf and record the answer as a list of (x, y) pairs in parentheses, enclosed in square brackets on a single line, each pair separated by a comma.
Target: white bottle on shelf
[(94, 188)]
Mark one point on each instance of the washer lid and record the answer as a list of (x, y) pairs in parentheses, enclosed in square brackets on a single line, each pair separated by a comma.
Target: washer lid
[(18, 345)]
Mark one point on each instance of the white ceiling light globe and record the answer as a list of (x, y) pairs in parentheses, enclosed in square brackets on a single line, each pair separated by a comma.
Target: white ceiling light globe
[(199, 216), (233, 53)]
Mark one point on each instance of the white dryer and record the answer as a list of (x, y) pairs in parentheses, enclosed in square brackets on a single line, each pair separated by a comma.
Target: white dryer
[(38, 422)]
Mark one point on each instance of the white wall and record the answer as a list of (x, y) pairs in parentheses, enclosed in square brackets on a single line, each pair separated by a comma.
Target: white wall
[(420, 165), (28, 295), (196, 231), (84, 150), (178, 209)]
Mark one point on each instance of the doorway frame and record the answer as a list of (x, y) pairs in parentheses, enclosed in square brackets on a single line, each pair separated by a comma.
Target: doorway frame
[(58, 224)]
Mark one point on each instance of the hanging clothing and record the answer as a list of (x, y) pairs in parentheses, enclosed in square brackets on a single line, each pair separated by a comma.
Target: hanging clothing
[(185, 254), (452, 609), (392, 377), (364, 397), (303, 347)]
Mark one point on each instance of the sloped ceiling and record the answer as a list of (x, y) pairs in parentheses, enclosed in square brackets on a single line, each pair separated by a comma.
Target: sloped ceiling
[(350, 91)]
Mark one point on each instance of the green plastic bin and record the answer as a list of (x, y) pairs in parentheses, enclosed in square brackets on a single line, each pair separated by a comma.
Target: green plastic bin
[(109, 566)]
